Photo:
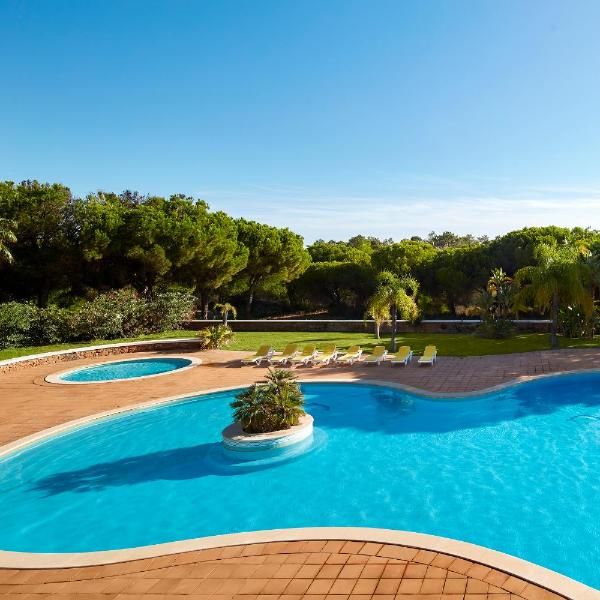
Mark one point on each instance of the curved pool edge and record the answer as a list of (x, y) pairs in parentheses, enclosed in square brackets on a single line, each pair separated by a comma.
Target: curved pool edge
[(530, 572), (57, 377)]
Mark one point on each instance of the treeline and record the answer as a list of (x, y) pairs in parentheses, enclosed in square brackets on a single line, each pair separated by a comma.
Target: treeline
[(56, 248), (451, 270)]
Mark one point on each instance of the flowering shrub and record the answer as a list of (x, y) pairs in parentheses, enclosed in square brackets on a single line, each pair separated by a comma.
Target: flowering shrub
[(121, 313)]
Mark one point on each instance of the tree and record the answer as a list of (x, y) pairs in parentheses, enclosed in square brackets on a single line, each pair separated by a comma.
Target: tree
[(7, 237), (276, 256), (224, 309), (217, 257), (341, 287), (43, 252), (380, 313), (396, 295), (559, 277)]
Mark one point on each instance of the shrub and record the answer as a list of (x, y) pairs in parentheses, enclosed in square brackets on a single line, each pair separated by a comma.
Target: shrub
[(574, 323), (15, 324), (215, 336), (168, 310), (51, 325), (499, 329), (121, 313), (277, 403)]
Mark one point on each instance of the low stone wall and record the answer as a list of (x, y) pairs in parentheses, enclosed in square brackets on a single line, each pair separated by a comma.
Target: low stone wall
[(359, 326), (98, 351)]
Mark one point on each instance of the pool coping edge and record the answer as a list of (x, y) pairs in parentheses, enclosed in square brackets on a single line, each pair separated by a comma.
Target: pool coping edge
[(530, 572)]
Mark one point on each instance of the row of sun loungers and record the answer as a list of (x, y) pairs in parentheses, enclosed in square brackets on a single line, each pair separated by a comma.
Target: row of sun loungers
[(309, 355)]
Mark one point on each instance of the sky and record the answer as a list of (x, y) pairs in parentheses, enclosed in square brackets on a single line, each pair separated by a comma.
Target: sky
[(335, 118)]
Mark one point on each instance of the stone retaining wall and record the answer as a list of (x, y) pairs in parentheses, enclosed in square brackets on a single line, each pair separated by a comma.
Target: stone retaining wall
[(98, 351)]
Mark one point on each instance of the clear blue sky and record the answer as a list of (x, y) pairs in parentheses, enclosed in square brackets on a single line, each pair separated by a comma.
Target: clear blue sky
[(334, 117)]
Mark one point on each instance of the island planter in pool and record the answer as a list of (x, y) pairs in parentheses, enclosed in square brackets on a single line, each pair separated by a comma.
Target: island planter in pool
[(237, 440), (124, 370)]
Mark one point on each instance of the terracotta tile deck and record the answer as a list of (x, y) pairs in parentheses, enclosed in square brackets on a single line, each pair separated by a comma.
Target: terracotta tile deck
[(311, 570)]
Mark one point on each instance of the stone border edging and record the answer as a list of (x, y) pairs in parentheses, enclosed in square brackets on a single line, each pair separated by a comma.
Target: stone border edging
[(540, 576), (57, 378), (57, 356)]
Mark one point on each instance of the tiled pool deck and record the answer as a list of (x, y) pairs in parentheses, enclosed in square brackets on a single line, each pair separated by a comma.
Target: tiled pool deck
[(314, 570), (308, 570)]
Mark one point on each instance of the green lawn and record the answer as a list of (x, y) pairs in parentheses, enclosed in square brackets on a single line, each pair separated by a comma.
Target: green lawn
[(15, 352), (448, 344)]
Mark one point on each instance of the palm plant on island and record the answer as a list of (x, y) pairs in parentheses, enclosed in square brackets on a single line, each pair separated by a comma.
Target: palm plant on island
[(274, 404)]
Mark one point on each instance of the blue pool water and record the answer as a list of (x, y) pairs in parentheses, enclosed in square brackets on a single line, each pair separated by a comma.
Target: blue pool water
[(517, 471), (126, 369)]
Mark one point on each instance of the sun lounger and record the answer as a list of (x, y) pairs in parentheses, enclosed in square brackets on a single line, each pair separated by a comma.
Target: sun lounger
[(265, 352), (429, 356), (402, 357), (350, 357), (288, 353), (378, 355), (324, 358), (308, 353)]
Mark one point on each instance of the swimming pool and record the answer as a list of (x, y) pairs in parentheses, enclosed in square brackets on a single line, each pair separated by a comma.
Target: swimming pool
[(517, 470), (133, 368)]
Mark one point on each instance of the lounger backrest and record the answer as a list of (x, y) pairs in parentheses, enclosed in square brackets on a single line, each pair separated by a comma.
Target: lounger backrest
[(353, 350), (263, 350), (308, 350), (404, 350), (329, 349), (290, 349), (429, 350), (378, 350)]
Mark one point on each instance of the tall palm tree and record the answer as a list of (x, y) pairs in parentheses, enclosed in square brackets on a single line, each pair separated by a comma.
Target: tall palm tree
[(561, 276), (7, 237), (224, 309), (396, 296)]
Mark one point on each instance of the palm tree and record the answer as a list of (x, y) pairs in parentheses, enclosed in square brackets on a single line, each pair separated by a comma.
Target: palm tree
[(379, 313), (224, 309), (561, 276), (7, 236), (396, 296)]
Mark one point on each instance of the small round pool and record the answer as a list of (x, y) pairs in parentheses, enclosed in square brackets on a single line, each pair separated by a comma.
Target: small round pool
[(123, 369)]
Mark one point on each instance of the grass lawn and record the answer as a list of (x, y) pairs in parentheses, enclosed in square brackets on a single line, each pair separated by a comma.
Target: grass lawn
[(15, 352), (449, 344)]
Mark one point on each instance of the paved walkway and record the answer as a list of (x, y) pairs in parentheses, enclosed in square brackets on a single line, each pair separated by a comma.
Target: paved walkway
[(312, 570)]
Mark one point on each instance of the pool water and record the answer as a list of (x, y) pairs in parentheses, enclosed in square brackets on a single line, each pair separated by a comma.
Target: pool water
[(517, 471), (125, 369)]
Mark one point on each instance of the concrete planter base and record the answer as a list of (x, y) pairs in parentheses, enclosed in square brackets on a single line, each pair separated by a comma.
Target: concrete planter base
[(234, 438)]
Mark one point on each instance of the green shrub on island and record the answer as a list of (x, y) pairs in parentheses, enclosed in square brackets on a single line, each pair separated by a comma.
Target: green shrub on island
[(116, 314), (271, 405)]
